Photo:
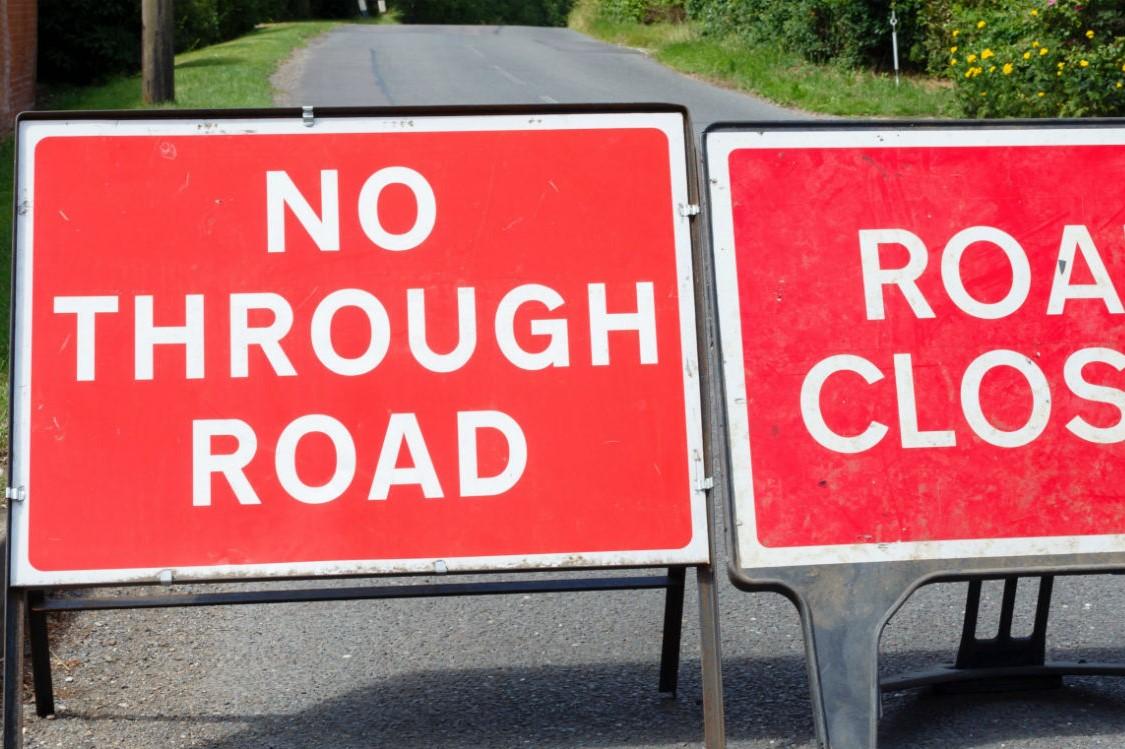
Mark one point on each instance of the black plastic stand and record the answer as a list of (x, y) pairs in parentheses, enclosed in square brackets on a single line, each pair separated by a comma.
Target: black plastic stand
[(1002, 663), (844, 609)]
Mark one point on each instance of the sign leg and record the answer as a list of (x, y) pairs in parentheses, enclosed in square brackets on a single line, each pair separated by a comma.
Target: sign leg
[(843, 612), (714, 722), (673, 627), (15, 603), (40, 656)]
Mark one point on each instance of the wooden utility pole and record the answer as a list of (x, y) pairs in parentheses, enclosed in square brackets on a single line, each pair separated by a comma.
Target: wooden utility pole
[(157, 59)]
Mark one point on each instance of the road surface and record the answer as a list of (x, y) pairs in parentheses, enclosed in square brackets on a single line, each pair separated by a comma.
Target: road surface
[(545, 671), (431, 65)]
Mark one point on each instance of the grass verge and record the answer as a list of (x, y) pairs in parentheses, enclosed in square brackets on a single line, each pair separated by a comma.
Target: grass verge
[(774, 74)]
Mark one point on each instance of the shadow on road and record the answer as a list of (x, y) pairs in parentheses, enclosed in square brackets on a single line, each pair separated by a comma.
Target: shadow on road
[(607, 705)]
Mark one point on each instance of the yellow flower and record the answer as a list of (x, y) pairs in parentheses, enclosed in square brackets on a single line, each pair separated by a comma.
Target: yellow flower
[(969, 73), (1034, 11), (1084, 63), (1119, 84), (1089, 33), (1027, 55), (1041, 94), (984, 93), (971, 58), (991, 68), (1062, 65), (1007, 69), (1043, 51), (952, 49), (981, 24), (1034, 44), (1123, 68), (952, 61), (986, 54)]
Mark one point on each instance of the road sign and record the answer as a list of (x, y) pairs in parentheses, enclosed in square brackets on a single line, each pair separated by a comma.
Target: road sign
[(922, 353), (922, 342), (268, 346)]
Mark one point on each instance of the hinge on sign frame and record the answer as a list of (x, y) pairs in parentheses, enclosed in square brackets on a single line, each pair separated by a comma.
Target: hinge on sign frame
[(15, 493), (307, 116), (707, 484), (689, 210)]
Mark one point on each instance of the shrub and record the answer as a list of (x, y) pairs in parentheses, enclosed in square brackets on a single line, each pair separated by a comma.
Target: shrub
[(1038, 58), (642, 11), (848, 32)]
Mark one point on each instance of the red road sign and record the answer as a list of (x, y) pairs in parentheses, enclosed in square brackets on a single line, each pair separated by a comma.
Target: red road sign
[(249, 347), (922, 340)]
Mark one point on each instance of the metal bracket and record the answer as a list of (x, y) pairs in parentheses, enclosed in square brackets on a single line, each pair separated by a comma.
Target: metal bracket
[(307, 116), (17, 493), (691, 209), (707, 484)]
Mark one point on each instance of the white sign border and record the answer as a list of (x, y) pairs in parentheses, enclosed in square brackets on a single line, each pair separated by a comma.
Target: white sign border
[(718, 146), (31, 131)]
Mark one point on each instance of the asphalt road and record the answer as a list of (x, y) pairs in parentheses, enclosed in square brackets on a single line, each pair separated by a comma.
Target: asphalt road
[(430, 65), (574, 670)]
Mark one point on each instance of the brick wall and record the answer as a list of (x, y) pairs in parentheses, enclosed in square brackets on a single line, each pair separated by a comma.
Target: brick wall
[(17, 58)]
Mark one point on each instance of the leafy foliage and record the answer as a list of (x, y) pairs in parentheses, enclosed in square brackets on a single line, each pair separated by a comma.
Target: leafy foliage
[(642, 11), (849, 32)]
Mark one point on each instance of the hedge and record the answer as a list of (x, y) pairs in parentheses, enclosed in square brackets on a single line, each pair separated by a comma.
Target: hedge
[(85, 40), (642, 11), (848, 32)]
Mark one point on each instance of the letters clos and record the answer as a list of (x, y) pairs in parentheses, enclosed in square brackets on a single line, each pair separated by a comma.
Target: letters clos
[(1075, 242)]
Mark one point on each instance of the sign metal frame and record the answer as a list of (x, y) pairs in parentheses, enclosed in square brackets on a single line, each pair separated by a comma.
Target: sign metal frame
[(846, 597), (29, 600)]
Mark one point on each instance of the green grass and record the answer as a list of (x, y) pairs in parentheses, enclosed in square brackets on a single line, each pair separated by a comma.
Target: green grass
[(773, 74)]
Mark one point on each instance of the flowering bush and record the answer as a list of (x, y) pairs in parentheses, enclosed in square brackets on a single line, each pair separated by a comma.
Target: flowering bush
[(1038, 58)]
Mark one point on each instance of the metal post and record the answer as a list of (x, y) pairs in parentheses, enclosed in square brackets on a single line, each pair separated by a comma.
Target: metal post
[(714, 720), (15, 601), (894, 40), (673, 627), (40, 656)]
